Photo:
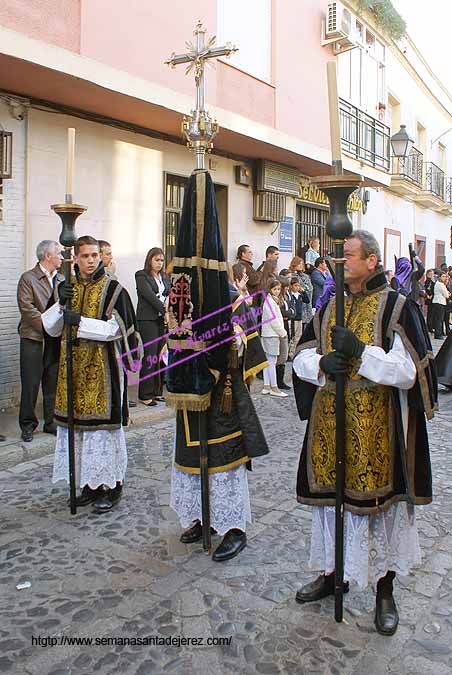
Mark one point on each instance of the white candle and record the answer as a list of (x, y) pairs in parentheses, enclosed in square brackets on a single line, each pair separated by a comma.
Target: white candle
[(70, 160), (333, 101)]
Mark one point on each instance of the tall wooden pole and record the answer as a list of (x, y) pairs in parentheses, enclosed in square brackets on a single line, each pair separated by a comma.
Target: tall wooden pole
[(338, 188)]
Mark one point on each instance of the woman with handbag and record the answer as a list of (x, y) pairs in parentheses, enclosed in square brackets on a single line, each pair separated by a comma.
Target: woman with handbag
[(152, 291)]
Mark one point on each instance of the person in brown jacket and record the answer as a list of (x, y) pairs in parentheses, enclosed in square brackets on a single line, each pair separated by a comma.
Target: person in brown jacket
[(33, 293), (245, 256)]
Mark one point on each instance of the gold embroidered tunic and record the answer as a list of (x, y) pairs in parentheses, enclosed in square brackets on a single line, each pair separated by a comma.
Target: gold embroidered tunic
[(369, 422), (92, 378)]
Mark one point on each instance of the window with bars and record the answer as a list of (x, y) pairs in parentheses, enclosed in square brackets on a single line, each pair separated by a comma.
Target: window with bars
[(311, 222), (174, 199)]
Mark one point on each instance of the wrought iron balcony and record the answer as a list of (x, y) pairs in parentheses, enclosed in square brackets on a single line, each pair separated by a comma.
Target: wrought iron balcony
[(434, 180), (409, 168), (448, 191), (364, 137)]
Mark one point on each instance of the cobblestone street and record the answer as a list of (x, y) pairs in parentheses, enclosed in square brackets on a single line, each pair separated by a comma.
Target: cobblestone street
[(125, 574)]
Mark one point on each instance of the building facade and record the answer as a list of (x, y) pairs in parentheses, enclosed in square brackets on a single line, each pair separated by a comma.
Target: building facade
[(58, 70)]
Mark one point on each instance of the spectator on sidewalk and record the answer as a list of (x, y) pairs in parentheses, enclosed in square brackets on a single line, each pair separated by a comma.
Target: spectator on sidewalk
[(440, 298), (106, 256), (298, 299), (297, 268), (245, 256), (312, 253), (271, 256), (273, 337), (33, 293), (318, 278)]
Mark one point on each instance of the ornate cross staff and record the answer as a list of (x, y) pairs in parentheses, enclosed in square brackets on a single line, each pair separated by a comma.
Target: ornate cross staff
[(199, 129), (69, 212), (338, 188)]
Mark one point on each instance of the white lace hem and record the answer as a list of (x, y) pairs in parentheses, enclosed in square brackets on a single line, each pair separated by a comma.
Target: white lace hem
[(229, 499), (100, 457), (373, 544)]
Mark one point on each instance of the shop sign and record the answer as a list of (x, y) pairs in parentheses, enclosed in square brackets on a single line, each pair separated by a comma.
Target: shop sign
[(310, 193), (286, 234)]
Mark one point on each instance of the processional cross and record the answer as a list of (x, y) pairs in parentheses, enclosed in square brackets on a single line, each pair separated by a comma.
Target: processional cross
[(198, 128)]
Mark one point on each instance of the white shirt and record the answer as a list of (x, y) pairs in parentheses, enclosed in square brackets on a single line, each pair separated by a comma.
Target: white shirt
[(88, 329), (50, 276), (440, 294), (161, 287), (393, 369)]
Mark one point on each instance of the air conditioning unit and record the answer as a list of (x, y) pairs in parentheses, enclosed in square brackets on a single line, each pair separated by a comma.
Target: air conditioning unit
[(269, 206), (339, 28)]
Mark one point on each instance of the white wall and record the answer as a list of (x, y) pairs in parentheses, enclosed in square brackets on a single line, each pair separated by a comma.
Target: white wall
[(12, 230), (119, 176)]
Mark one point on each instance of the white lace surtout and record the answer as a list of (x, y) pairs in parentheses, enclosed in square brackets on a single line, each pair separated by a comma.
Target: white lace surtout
[(229, 498), (372, 544), (100, 457)]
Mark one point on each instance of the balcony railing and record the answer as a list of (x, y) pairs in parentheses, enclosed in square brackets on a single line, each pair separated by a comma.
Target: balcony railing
[(410, 168), (364, 137), (434, 180), (448, 191)]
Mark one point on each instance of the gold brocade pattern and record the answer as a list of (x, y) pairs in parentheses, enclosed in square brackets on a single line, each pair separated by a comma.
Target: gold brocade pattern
[(368, 466), (92, 387)]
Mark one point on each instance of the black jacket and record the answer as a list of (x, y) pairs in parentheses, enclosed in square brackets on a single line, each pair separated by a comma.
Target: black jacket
[(149, 307), (297, 304)]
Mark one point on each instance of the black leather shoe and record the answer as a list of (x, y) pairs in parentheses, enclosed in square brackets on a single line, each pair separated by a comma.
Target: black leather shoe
[(87, 496), (160, 399), (132, 404), (233, 542), (320, 588), (50, 429), (107, 498), (386, 615), (194, 533), (27, 436), (150, 403)]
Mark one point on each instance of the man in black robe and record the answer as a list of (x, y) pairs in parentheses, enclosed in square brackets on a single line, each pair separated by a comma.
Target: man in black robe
[(386, 354)]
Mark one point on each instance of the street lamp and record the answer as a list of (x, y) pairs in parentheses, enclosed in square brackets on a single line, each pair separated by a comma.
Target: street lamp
[(401, 143)]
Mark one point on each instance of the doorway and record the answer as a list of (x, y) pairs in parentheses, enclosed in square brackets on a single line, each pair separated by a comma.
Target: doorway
[(174, 199)]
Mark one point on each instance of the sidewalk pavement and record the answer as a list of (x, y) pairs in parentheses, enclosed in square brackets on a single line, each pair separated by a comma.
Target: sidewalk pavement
[(14, 451)]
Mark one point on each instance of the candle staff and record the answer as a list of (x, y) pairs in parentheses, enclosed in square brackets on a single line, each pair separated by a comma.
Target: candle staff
[(69, 212), (364, 378)]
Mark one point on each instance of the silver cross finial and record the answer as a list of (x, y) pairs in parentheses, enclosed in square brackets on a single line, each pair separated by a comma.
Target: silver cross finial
[(198, 128)]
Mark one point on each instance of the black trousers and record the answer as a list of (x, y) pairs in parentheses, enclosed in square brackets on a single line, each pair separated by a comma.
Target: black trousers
[(151, 385), (438, 312), (430, 315), (36, 370)]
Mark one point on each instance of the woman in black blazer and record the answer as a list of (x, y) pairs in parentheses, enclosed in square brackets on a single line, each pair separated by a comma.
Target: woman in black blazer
[(152, 291)]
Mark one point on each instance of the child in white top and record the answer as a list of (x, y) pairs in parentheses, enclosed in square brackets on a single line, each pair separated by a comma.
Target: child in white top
[(273, 332)]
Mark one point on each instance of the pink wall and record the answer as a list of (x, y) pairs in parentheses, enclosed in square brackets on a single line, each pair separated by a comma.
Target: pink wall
[(245, 95), (300, 71), (140, 39), (139, 35), (54, 21)]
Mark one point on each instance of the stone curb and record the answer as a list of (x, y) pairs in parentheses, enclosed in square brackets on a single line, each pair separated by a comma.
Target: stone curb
[(18, 452)]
